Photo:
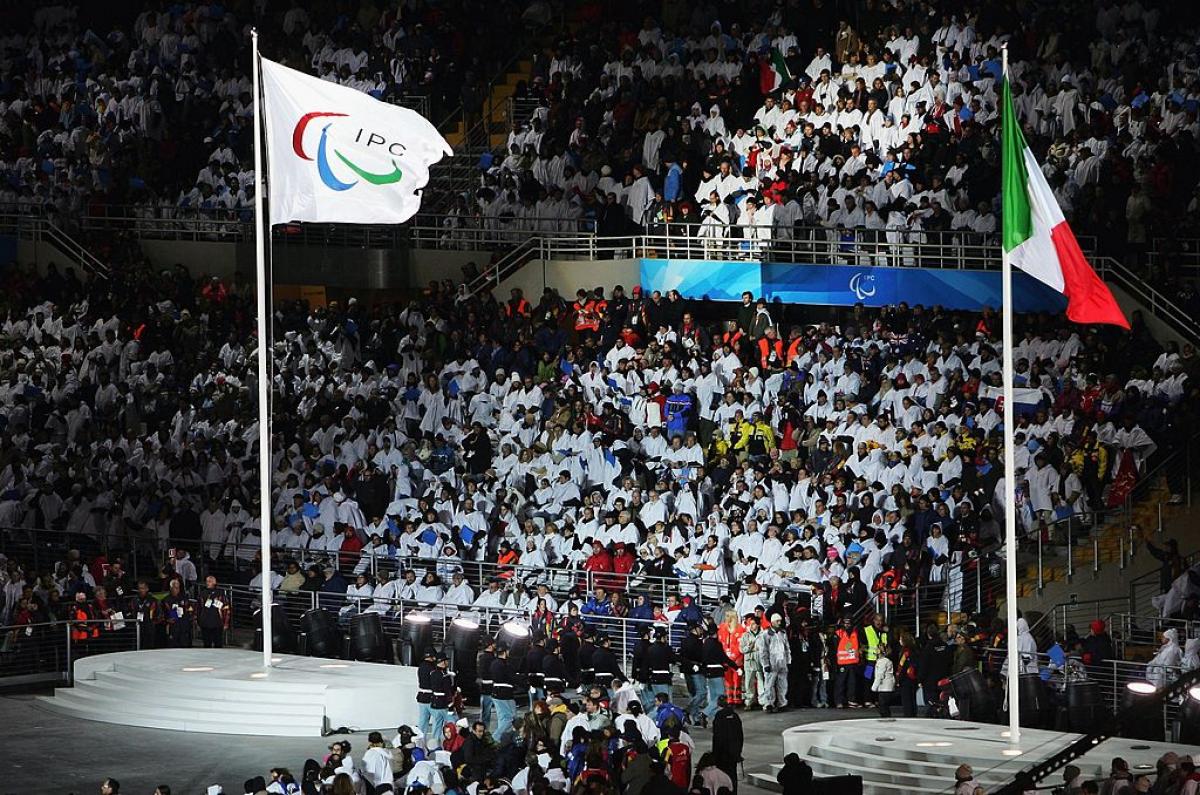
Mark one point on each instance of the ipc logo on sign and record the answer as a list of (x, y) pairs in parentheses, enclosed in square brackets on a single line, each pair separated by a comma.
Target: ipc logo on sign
[(862, 285)]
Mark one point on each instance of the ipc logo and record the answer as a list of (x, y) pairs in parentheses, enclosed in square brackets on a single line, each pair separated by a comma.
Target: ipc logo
[(364, 140), (862, 285)]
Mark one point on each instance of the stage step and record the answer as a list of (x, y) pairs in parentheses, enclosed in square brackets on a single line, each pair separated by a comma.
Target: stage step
[(160, 694), (88, 704), (229, 692)]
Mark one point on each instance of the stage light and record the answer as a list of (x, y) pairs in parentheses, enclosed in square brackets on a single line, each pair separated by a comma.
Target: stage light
[(1011, 752), (1141, 714), (515, 629), (367, 638), (1187, 722), (931, 744), (322, 636), (1085, 706), (335, 665), (462, 642), (417, 637), (283, 637), (972, 695), (194, 669), (259, 675)]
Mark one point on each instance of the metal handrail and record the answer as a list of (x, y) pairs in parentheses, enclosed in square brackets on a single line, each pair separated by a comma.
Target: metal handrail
[(1160, 305)]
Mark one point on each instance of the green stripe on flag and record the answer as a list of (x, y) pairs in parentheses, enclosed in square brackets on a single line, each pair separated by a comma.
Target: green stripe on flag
[(1016, 219), (780, 65)]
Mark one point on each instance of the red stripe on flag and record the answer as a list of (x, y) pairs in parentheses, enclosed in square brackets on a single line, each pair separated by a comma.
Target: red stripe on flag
[(1088, 298)]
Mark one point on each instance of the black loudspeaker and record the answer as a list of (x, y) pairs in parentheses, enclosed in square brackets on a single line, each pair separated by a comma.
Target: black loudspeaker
[(1034, 703), (838, 785), (283, 637), (1085, 706), (367, 639), (321, 633)]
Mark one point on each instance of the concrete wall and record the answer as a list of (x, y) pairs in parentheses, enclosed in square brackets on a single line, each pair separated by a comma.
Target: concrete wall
[(199, 257), (567, 276)]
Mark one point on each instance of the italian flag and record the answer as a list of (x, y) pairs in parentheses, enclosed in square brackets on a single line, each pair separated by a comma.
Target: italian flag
[(772, 72), (1036, 237)]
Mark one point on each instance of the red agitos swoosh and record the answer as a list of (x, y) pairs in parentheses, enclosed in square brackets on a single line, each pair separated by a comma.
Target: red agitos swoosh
[(298, 132)]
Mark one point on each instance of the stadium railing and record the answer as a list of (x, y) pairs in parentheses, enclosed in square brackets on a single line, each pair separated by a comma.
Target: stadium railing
[(44, 653)]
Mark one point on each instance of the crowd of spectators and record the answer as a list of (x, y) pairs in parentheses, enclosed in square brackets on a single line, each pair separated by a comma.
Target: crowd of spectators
[(883, 119), (755, 460), (150, 103), (746, 119)]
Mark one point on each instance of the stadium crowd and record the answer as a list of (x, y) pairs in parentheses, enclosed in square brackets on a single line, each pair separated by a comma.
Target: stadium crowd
[(150, 103), (748, 119), (745, 119), (780, 471), (468, 760)]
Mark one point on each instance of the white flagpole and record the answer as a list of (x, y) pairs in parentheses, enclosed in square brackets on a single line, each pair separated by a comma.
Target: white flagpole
[(1010, 491), (264, 386)]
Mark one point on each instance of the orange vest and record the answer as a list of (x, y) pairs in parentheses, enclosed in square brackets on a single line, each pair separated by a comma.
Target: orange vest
[(847, 647), (522, 309), (83, 631), (765, 349), (793, 350)]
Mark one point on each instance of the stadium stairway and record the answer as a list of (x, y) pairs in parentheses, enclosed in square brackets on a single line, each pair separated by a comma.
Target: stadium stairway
[(40, 230), (492, 131)]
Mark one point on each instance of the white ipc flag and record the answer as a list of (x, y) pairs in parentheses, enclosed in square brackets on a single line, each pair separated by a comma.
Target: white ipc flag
[(335, 154)]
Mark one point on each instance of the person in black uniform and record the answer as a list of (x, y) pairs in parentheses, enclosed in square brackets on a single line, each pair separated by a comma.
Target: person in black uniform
[(425, 693), (554, 671), (716, 662), (504, 693), (691, 663), (607, 669), (587, 668), (532, 669), (483, 665), (658, 659), (212, 616), (145, 611), (441, 682), (638, 671)]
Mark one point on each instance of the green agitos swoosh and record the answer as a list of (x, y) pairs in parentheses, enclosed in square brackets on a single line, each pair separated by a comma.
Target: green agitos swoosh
[(374, 179)]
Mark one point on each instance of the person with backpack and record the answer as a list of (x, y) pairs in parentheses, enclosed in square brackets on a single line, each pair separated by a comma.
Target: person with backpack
[(677, 756), (667, 716), (576, 756)]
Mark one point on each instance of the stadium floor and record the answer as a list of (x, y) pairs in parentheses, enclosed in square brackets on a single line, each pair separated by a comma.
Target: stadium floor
[(141, 759)]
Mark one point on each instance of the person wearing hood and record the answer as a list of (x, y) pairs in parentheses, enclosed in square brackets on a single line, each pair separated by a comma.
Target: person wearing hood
[(1163, 668), (796, 777), (1026, 647), (1191, 655)]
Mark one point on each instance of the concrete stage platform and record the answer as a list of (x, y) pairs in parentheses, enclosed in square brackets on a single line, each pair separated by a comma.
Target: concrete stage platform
[(911, 755), (227, 691)]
